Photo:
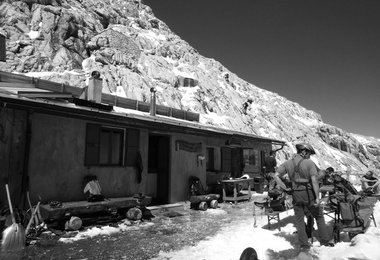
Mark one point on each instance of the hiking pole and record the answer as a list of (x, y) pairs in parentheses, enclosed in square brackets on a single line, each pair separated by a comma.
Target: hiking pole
[(37, 217), (254, 215), (32, 218), (14, 235)]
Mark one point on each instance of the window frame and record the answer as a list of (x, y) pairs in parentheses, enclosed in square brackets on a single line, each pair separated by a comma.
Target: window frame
[(128, 145), (252, 155), (121, 148)]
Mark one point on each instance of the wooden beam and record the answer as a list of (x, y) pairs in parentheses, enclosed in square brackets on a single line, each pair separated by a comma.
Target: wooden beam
[(16, 85), (33, 94), (79, 208)]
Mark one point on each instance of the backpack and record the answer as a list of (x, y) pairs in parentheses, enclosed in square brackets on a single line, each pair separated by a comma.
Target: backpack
[(343, 185), (348, 208), (196, 187), (303, 194)]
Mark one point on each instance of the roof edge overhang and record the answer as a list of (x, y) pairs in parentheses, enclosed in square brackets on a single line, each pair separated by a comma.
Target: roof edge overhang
[(128, 120)]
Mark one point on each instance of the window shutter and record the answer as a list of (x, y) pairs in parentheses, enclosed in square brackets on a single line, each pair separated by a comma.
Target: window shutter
[(92, 145), (262, 161), (226, 159), (210, 159), (132, 146)]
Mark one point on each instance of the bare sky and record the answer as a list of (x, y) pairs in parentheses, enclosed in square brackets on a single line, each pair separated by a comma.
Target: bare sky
[(322, 54)]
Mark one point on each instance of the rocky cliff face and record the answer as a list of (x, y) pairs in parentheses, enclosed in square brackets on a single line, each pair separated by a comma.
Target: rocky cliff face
[(65, 40)]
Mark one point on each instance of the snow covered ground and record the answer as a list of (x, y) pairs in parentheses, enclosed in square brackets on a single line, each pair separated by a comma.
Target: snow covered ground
[(230, 241), (233, 239)]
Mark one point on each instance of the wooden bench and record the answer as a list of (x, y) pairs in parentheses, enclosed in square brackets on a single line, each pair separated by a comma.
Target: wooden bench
[(78, 208)]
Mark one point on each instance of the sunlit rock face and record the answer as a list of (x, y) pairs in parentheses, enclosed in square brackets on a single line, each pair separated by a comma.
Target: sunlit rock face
[(65, 40)]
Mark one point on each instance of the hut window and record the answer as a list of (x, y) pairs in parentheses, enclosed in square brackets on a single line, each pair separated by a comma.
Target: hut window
[(249, 156), (110, 146)]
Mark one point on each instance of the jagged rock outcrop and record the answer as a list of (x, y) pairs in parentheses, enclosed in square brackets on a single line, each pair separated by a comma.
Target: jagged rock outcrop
[(65, 40)]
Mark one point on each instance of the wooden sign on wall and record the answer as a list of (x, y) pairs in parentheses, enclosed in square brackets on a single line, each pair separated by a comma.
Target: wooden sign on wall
[(187, 146)]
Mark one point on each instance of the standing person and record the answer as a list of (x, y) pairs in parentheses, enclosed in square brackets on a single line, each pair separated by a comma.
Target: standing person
[(303, 174), (270, 165), (270, 162)]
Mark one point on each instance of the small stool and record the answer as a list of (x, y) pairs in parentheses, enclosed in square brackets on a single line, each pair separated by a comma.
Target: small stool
[(275, 215)]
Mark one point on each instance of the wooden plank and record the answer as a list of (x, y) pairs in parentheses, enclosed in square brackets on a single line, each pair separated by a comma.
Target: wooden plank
[(75, 91), (48, 85), (143, 106), (11, 77), (127, 103), (44, 94), (78, 208), (87, 103), (177, 113), (162, 110), (109, 99), (16, 85), (191, 116)]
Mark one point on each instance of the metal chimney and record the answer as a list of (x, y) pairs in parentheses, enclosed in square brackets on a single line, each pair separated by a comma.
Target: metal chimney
[(153, 101), (94, 89)]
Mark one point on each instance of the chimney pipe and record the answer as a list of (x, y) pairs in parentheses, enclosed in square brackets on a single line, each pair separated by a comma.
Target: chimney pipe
[(153, 101), (94, 89)]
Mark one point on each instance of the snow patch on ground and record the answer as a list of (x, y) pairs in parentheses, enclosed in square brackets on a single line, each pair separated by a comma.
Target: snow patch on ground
[(307, 121), (104, 231), (188, 96), (230, 242), (365, 139)]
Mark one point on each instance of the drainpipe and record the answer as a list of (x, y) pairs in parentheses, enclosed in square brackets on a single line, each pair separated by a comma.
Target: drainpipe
[(25, 170), (3, 51), (153, 101), (282, 146)]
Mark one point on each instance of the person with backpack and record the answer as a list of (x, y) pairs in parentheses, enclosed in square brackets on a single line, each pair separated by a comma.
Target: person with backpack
[(270, 165), (305, 189)]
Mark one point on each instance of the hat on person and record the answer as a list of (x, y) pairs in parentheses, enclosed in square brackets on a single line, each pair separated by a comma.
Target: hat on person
[(305, 146)]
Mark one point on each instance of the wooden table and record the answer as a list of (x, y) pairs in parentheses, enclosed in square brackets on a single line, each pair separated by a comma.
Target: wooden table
[(235, 182)]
